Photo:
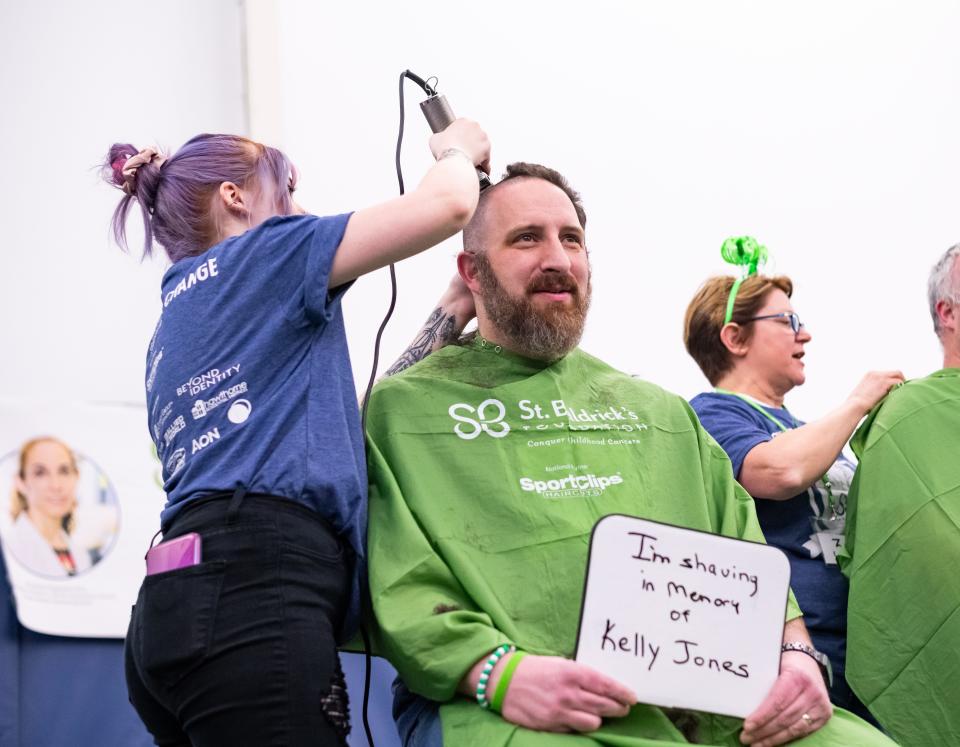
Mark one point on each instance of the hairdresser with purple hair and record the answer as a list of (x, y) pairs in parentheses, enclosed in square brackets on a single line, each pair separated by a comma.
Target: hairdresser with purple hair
[(252, 407)]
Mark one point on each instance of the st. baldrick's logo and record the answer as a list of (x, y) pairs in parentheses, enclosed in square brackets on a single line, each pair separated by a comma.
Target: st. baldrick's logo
[(487, 417)]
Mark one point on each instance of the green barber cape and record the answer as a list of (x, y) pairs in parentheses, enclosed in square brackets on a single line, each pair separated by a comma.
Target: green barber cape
[(487, 473), (902, 555)]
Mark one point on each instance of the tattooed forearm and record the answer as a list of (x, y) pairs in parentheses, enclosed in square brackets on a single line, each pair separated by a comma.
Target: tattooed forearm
[(439, 330)]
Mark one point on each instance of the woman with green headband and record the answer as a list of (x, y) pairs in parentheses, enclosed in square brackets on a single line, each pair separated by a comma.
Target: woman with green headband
[(749, 342)]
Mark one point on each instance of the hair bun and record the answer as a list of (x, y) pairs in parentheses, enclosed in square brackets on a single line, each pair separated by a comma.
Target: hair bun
[(117, 156), (116, 168), (132, 165)]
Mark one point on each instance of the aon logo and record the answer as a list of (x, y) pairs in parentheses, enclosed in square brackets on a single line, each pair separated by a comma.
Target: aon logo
[(487, 417)]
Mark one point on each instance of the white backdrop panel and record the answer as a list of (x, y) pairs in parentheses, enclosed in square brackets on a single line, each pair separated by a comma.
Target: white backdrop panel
[(824, 131)]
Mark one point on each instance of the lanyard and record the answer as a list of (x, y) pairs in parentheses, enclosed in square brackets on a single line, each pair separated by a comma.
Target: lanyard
[(826, 480)]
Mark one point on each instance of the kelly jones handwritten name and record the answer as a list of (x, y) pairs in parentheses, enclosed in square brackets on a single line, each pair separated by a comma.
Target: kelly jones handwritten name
[(647, 552), (684, 652)]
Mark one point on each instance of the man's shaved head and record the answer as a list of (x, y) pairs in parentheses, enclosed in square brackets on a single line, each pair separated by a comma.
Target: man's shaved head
[(474, 235)]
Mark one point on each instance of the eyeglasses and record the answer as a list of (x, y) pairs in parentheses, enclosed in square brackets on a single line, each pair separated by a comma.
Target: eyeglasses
[(795, 324)]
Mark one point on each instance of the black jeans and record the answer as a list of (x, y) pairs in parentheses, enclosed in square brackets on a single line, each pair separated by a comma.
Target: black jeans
[(240, 649)]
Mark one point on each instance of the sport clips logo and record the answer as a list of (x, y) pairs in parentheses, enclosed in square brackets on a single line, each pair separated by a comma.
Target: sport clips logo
[(571, 486)]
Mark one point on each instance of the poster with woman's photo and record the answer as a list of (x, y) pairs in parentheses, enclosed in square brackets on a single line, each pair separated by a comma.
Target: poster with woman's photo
[(80, 498)]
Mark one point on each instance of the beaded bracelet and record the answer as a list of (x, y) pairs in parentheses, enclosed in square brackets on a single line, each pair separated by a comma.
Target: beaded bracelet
[(485, 673), (504, 683)]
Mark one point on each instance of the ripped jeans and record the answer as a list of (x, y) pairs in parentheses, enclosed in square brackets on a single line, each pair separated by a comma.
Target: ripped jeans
[(240, 649)]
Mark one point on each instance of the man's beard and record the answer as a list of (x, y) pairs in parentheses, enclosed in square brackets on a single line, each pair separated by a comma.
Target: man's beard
[(544, 333)]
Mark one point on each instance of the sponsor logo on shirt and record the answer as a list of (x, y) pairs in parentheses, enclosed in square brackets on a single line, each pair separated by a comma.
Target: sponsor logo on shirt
[(176, 461), (153, 339), (152, 377), (204, 381), (203, 406), (204, 272), (560, 409), (239, 411), (205, 440), (161, 421), (175, 427), (490, 417), (571, 486)]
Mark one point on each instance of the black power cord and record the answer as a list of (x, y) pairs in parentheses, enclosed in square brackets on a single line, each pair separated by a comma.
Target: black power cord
[(367, 666), (368, 663), (430, 91)]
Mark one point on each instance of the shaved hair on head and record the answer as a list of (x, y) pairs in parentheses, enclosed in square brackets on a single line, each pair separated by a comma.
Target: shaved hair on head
[(474, 235)]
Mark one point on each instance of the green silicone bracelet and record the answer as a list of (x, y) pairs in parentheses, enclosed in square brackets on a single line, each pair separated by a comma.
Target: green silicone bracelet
[(504, 683)]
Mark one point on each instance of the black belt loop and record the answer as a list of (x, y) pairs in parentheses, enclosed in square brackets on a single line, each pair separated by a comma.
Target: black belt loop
[(233, 508)]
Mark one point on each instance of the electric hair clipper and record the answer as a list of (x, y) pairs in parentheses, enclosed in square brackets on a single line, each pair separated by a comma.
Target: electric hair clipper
[(439, 116)]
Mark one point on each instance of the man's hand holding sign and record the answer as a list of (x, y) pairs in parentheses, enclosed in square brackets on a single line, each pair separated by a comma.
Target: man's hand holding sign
[(798, 703), (677, 618), (550, 693)]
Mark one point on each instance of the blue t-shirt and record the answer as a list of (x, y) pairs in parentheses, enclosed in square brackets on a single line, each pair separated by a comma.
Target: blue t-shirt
[(816, 580), (249, 380)]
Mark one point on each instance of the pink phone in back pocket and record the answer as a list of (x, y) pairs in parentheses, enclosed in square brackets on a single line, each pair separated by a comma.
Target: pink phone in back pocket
[(180, 552)]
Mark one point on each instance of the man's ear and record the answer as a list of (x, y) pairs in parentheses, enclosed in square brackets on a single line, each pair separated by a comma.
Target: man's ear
[(947, 315), (467, 267), (733, 337), (232, 197)]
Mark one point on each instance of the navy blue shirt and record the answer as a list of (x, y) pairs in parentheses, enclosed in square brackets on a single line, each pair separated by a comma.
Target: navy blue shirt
[(249, 380), (816, 580)]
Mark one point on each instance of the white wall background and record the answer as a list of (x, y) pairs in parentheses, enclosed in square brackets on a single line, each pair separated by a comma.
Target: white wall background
[(827, 130), (76, 313)]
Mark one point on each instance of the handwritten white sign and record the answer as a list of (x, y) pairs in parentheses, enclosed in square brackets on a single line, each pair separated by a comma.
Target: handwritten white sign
[(685, 618)]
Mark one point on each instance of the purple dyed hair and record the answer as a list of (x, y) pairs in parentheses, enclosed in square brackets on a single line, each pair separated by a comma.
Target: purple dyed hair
[(176, 198)]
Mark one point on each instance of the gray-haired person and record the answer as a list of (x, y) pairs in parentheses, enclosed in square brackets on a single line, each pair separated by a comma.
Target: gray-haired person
[(903, 543)]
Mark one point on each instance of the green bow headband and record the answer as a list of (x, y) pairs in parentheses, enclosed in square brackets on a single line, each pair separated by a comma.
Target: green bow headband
[(745, 252)]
